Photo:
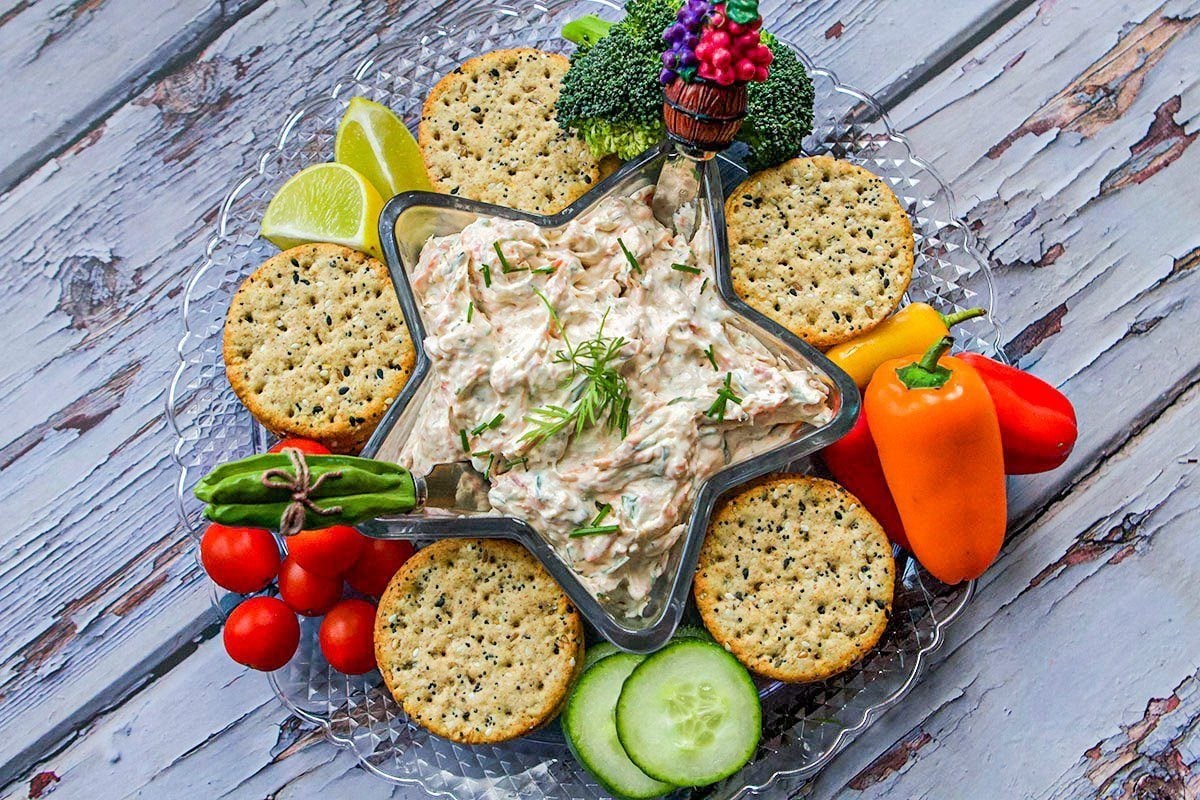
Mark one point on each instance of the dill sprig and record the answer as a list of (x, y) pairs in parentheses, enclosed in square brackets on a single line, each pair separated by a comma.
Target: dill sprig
[(724, 395), (602, 394), (633, 262), (595, 528)]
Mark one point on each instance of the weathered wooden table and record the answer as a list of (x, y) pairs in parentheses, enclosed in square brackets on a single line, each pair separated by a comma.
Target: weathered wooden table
[(1066, 129)]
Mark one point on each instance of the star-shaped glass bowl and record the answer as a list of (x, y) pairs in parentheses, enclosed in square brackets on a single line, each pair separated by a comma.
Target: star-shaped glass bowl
[(804, 726), (410, 220)]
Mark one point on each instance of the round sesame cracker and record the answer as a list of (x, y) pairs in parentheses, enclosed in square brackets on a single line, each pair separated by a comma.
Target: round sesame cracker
[(488, 132), (821, 246), (476, 640), (315, 344), (795, 578)]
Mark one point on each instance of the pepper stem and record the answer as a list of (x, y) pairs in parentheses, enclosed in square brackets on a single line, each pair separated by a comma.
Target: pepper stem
[(928, 373), (950, 320)]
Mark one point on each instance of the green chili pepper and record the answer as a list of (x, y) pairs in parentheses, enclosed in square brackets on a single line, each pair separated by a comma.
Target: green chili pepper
[(257, 465), (287, 490), (350, 481), (354, 508)]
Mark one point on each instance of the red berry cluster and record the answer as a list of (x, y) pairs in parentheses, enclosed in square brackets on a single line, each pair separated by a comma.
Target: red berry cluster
[(732, 52)]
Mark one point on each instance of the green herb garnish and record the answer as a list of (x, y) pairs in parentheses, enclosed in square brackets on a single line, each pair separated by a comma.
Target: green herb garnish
[(704, 286), (487, 274), (462, 436), (544, 270), (491, 424), (712, 359), (505, 267), (633, 262), (724, 395), (470, 310), (595, 528), (603, 392), (686, 268)]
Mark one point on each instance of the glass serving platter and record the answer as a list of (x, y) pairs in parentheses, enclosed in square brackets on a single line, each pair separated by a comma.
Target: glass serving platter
[(805, 726)]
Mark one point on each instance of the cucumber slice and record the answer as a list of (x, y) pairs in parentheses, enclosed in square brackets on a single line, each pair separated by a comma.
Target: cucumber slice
[(597, 652), (689, 714), (591, 733)]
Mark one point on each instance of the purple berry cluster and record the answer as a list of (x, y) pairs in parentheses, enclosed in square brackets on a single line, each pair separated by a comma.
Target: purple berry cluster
[(681, 37)]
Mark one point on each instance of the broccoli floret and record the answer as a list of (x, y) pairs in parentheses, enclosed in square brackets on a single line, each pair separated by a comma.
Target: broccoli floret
[(780, 111), (611, 94), (612, 97)]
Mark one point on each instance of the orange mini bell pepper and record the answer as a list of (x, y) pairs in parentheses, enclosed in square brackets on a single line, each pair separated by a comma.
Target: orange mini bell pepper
[(939, 444), (910, 330)]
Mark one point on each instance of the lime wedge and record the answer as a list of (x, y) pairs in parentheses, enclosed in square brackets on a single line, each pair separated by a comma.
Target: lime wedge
[(325, 203), (373, 140)]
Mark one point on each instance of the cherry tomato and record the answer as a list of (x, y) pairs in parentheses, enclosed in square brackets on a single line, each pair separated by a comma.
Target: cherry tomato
[(306, 446), (347, 637), (377, 564), (306, 592), (329, 551), (242, 560), (262, 633)]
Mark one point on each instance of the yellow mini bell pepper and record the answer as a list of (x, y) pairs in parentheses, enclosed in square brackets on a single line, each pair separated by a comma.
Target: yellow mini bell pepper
[(912, 329)]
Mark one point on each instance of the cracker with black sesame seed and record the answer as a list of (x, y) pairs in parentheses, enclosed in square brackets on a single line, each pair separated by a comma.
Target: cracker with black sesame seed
[(476, 640), (821, 246), (488, 132), (315, 345), (795, 578)]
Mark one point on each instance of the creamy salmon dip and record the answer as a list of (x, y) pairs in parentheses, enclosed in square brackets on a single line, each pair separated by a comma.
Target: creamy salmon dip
[(509, 303)]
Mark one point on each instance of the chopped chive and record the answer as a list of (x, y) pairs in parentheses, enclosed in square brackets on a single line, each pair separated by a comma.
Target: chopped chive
[(487, 473), (724, 395), (505, 267), (487, 274), (712, 359), (686, 268), (629, 256), (544, 270), (470, 310), (491, 424), (512, 462), (604, 511), (481, 453), (595, 530), (462, 436), (704, 286)]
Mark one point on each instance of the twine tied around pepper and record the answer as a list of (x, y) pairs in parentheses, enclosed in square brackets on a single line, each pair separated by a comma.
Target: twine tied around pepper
[(301, 486)]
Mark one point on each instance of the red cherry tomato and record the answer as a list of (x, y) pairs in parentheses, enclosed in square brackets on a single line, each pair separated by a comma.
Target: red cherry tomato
[(347, 637), (262, 633), (329, 551), (242, 560), (306, 446), (378, 563), (306, 592)]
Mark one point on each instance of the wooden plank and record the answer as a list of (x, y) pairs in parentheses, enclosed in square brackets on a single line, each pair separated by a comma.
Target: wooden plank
[(1074, 163), (1058, 680), (68, 64), (99, 585)]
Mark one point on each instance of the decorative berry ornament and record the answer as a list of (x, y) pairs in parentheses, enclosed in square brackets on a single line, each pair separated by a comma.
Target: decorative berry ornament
[(713, 51)]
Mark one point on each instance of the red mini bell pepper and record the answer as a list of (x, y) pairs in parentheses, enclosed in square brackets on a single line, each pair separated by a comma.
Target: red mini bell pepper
[(854, 463), (1037, 422)]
